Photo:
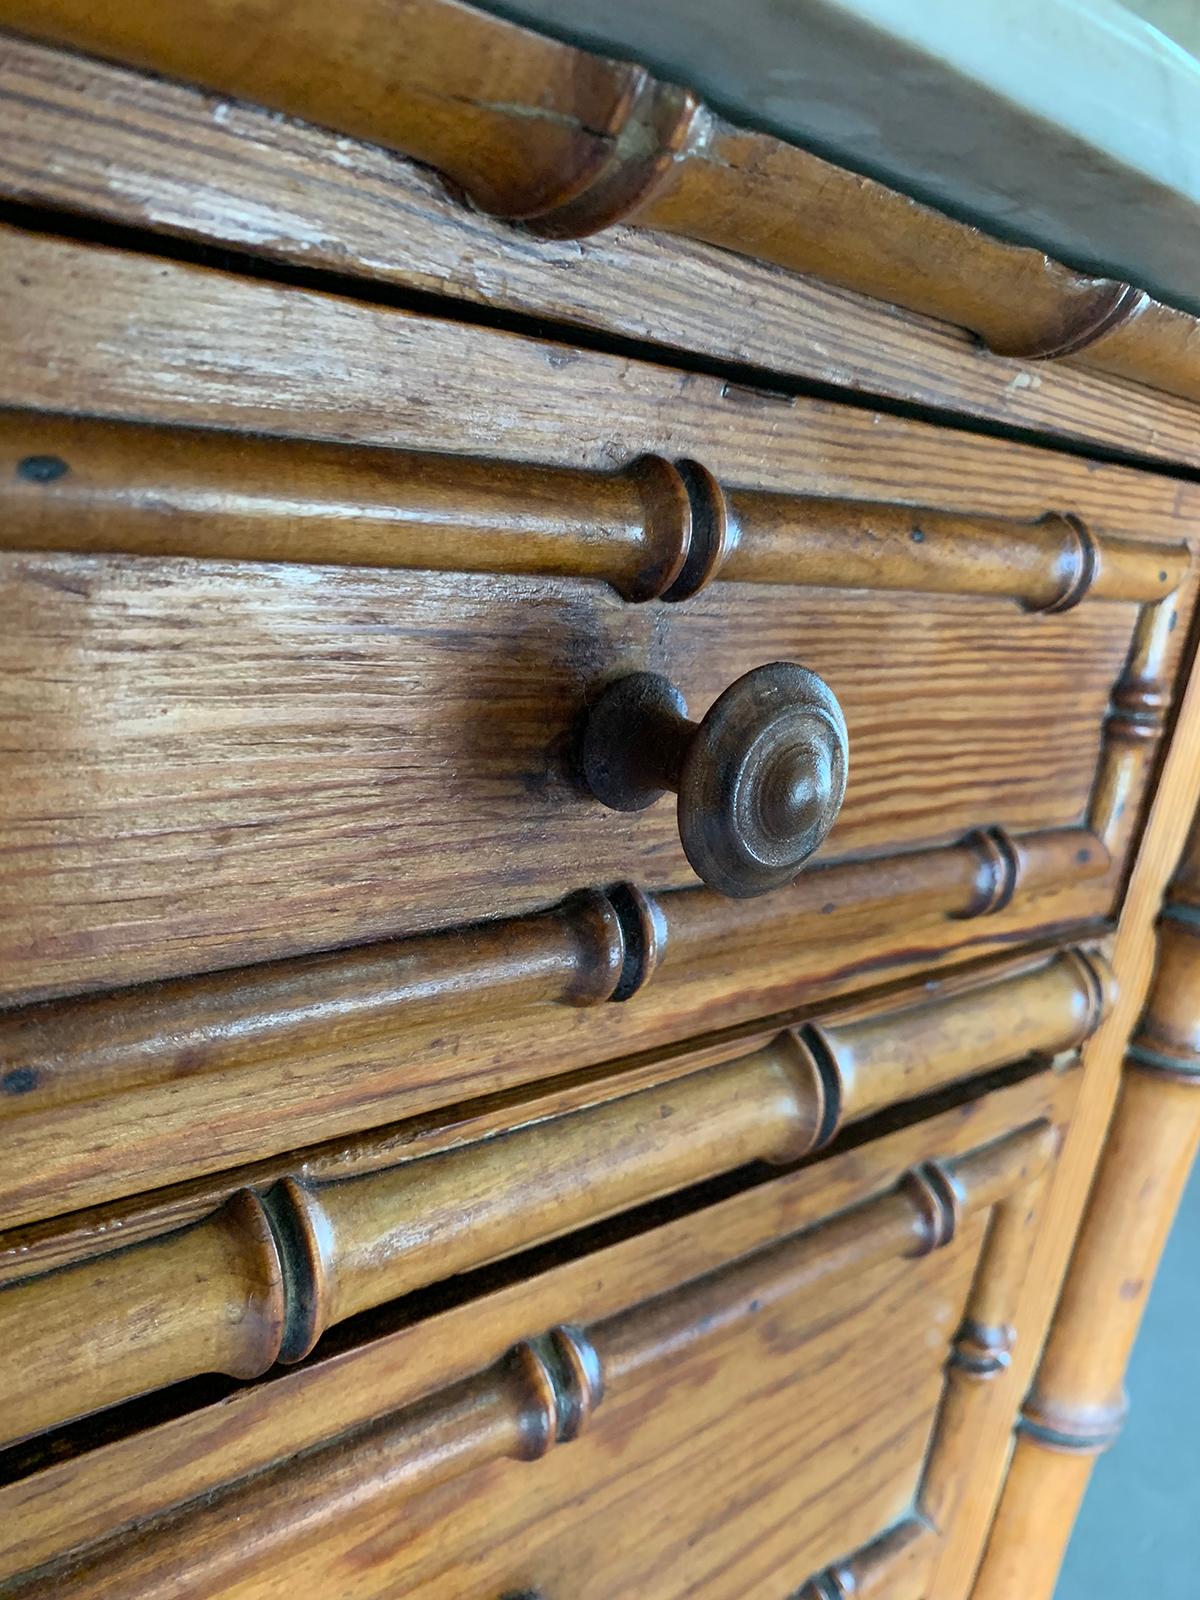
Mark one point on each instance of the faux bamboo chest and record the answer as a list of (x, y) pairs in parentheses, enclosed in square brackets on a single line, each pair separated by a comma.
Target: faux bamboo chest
[(598, 752)]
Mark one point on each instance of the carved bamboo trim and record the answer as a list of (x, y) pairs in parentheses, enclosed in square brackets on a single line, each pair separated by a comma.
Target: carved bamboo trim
[(569, 142), (268, 1275), (1077, 1405), (657, 529), (980, 1351), (595, 946), (1137, 715), (545, 1391), (895, 1566)]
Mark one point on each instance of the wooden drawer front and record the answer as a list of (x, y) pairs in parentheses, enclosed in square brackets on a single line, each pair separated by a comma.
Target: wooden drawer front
[(258, 743), (783, 1388)]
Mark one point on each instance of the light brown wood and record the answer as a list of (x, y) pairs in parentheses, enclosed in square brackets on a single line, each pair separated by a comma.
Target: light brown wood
[(179, 1457), (570, 142), (308, 584), (80, 135), (1077, 1405), (114, 1093), (895, 1566), (655, 530), (1133, 957), (352, 889), (308, 1256), (522, 1409)]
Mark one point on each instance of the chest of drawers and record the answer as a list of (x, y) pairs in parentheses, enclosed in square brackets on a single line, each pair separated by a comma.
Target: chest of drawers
[(583, 822)]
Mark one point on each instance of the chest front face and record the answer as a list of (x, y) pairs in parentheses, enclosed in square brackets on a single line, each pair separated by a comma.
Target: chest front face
[(580, 829)]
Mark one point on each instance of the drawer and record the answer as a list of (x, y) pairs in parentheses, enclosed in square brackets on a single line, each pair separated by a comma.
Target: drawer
[(258, 1266), (740, 1392), (274, 694)]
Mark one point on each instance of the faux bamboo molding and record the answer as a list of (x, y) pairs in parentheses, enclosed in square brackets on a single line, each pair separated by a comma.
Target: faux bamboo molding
[(568, 142), (1077, 1405), (597, 945), (545, 1391), (262, 1278), (898, 1564), (655, 530)]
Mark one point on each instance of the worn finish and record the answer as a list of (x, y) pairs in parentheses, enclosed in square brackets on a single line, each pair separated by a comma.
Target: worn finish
[(378, 1110), (324, 1252), (82, 135), (288, 1523), (568, 143), (655, 530), (183, 1457), (1078, 1403)]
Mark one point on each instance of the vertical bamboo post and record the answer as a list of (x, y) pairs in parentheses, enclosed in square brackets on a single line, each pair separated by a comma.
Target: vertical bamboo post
[(1078, 1403)]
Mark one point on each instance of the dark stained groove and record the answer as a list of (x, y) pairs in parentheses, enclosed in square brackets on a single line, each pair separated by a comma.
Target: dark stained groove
[(742, 376)]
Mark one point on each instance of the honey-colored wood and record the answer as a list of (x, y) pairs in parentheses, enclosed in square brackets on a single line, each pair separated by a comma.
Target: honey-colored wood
[(1077, 1404), (895, 1566), (290, 1522), (653, 530), (138, 1476), (360, 866), (246, 1064), (324, 1252), (308, 1049), (569, 142), (1133, 957), (81, 135)]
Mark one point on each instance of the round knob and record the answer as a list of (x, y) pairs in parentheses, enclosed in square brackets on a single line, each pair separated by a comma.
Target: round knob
[(760, 780)]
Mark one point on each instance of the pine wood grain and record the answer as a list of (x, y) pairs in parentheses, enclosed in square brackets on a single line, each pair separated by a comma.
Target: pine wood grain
[(272, 1273), (87, 136), (570, 142), (1077, 1406), (136, 1477), (747, 1295)]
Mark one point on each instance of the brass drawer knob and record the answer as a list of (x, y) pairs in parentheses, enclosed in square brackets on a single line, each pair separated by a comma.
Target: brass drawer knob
[(760, 780)]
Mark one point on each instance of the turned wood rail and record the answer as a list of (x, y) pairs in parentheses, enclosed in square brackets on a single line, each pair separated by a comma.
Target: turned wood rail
[(1077, 1404), (655, 529), (899, 1563), (568, 142), (595, 946), (260, 1279), (545, 1391)]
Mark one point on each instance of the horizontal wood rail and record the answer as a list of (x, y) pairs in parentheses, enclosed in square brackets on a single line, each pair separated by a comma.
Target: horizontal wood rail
[(568, 143), (1077, 1406), (546, 1391), (260, 1279), (654, 530), (596, 945)]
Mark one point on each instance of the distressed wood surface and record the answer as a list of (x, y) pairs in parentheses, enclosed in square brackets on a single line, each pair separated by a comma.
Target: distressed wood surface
[(1077, 1406), (180, 1458), (210, 763), (656, 530), (89, 137), (262, 1278), (1133, 956), (283, 1519), (262, 759), (180, 712), (570, 142)]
